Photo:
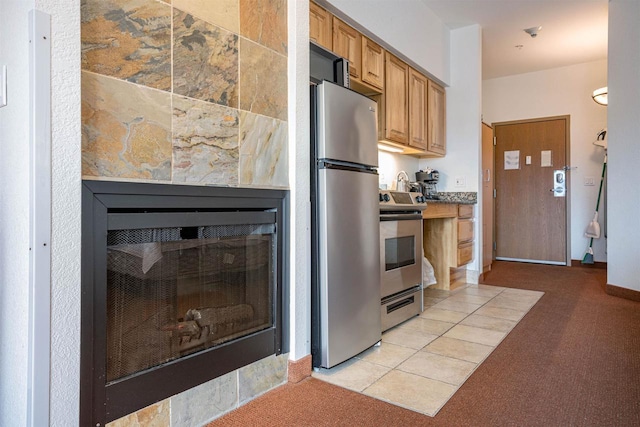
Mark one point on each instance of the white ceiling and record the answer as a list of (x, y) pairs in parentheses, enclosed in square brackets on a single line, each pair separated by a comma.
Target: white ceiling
[(573, 32)]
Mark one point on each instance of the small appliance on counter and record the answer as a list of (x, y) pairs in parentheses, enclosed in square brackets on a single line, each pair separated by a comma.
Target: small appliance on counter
[(428, 180)]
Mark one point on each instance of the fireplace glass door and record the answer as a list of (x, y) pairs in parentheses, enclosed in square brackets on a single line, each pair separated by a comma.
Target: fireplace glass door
[(174, 291)]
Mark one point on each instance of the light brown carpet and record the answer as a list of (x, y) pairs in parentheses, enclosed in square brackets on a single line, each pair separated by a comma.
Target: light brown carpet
[(573, 360)]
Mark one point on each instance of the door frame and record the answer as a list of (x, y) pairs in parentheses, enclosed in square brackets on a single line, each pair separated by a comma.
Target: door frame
[(567, 197)]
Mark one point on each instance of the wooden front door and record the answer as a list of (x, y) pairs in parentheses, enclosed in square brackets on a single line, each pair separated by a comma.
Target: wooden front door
[(531, 222), (487, 197)]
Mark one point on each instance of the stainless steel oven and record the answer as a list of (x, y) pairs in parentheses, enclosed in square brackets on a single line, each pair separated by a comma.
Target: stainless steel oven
[(400, 256)]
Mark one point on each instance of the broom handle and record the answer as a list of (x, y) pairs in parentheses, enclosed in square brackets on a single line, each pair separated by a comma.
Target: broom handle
[(604, 167)]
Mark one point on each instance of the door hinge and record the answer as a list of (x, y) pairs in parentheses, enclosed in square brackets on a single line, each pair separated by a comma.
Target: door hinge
[(495, 194), (494, 140), (495, 246)]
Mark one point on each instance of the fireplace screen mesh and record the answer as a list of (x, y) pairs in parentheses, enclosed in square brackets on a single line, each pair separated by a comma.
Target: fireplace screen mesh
[(176, 291)]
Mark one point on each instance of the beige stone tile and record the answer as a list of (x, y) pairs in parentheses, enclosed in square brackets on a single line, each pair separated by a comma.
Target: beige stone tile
[(265, 22), (459, 349), (477, 335), (443, 315), (156, 415), (501, 313), (354, 374), (223, 13), (261, 376), (493, 323), (491, 288), (407, 338), (263, 80), (129, 40), (263, 151), (521, 296), (205, 142), (195, 406), (428, 301), (205, 60), (461, 306), (504, 302), (387, 354), (512, 291), (437, 367), (126, 129), (436, 293), (469, 298), (485, 292), (427, 326), (412, 391)]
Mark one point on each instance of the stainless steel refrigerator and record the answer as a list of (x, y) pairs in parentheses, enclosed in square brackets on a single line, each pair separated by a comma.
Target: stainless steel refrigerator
[(345, 218)]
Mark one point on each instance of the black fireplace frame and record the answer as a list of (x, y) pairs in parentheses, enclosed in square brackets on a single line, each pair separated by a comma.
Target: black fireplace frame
[(100, 402)]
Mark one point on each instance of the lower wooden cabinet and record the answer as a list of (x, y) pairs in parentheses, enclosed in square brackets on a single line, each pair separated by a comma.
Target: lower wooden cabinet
[(448, 240)]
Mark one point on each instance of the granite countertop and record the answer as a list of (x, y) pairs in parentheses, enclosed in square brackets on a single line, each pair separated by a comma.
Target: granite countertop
[(468, 198)]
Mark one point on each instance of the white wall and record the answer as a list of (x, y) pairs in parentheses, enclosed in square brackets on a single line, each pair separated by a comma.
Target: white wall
[(408, 26), (14, 212), (624, 138), (464, 129), (389, 164), (299, 161), (65, 188), (555, 92)]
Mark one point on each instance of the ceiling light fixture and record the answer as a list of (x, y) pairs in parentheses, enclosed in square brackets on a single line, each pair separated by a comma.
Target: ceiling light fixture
[(533, 31), (601, 95)]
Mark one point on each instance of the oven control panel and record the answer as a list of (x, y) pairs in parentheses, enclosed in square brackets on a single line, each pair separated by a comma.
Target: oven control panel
[(401, 201)]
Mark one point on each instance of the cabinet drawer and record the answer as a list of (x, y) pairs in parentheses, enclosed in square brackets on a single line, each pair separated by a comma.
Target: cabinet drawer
[(440, 210), (465, 253), (465, 211), (465, 230)]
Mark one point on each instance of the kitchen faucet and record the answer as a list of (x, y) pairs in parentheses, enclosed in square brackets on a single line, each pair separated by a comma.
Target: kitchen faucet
[(402, 181)]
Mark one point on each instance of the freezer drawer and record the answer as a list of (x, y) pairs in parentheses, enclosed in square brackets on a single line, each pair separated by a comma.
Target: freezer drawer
[(349, 258)]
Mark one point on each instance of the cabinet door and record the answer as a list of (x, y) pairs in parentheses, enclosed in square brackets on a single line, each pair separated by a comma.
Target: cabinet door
[(418, 87), (396, 102), (320, 26), (347, 43), (436, 142), (372, 63)]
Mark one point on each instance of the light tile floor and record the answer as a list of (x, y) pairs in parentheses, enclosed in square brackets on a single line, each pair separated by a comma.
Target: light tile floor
[(422, 362)]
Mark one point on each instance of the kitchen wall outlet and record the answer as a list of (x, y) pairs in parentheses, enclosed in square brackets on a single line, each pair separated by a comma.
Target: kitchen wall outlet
[(589, 181), (527, 160), (3, 86), (461, 181)]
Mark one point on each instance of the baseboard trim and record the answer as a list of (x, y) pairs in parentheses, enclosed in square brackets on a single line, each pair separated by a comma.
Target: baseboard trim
[(299, 369), (620, 292), (597, 264)]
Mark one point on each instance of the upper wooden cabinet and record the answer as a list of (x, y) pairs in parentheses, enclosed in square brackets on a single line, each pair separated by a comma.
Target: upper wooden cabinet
[(372, 63), (347, 42), (436, 142), (320, 26), (411, 108), (418, 89), (393, 107)]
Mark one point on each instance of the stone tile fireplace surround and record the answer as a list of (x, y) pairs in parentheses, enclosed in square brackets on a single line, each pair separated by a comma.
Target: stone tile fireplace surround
[(188, 92)]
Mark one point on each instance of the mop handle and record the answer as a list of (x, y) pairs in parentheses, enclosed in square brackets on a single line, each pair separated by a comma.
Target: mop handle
[(604, 167)]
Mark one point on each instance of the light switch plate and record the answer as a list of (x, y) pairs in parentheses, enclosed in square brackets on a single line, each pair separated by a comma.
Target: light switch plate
[(589, 180), (3, 86), (461, 181)]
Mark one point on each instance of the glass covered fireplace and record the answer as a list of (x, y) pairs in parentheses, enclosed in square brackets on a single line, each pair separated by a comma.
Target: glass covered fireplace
[(180, 285)]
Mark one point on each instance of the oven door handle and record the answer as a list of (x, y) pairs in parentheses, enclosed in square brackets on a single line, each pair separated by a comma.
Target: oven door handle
[(400, 217)]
